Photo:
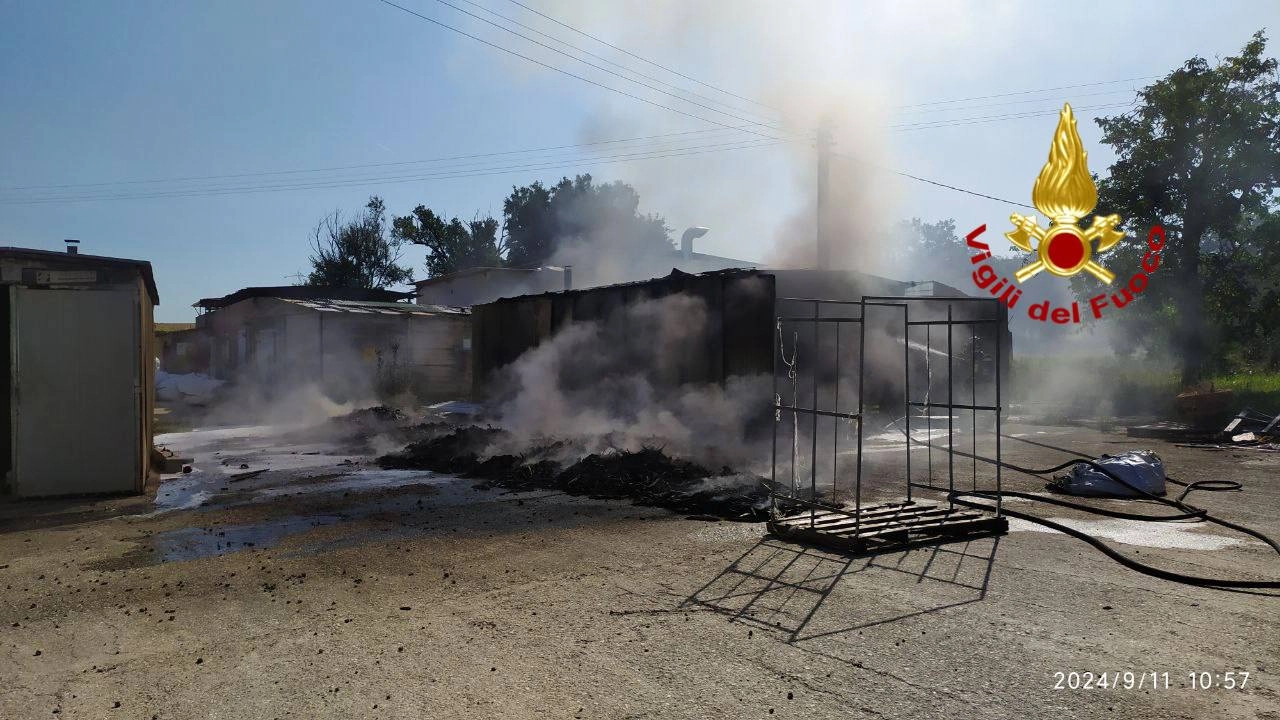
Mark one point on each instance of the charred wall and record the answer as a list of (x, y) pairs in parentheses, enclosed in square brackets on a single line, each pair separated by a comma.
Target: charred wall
[(741, 338), (734, 341)]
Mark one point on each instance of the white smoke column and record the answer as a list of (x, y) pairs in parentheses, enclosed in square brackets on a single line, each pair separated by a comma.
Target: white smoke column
[(815, 63), (617, 384)]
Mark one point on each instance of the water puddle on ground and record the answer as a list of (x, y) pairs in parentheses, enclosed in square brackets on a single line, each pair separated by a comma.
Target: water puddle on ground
[(205, 491)]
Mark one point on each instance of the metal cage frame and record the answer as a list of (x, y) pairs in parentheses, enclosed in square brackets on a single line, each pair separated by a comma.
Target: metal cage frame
[(862, 528)]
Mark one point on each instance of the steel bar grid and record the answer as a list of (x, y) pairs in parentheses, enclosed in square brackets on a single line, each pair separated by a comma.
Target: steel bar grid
[(954, 406), (830, 517)]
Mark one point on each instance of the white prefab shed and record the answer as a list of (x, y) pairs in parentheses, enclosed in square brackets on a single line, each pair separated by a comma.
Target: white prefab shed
[(78, 376)]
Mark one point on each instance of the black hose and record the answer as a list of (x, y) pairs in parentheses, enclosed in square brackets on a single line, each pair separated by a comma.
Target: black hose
[(1189, 512), (1119, 557)]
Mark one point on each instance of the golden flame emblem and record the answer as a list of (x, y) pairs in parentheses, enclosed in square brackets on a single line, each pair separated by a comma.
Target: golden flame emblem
[(1064, 192)]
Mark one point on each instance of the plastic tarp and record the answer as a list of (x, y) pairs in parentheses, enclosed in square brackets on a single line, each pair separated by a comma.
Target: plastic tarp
[(1139, 468), (192, 388), (457, 407)]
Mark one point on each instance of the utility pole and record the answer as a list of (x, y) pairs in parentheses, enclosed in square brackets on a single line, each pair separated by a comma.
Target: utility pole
[(824, 158)]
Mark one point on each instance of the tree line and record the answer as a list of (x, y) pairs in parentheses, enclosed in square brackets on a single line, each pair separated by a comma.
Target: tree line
[(537, 221)]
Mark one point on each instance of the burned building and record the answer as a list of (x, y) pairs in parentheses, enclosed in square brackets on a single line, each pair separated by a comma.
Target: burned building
[(351, 343), (78, 372), (739, 338), (179, 348)]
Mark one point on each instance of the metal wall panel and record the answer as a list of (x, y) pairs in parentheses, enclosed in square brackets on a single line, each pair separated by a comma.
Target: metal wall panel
[(736, 339), (77, 392)]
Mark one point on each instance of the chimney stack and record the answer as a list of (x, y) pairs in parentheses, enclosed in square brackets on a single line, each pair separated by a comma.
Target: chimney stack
[(568, 277), (72, 246)]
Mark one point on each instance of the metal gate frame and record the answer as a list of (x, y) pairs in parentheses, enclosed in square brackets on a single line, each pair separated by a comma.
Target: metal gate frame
[(890, 525)]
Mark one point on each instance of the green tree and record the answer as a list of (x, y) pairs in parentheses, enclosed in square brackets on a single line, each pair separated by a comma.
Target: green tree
[(928, 247), (1242, 292), (451, 245), (1200, 155), (539, 221), (356, 253), (528, 225), (935, 251)]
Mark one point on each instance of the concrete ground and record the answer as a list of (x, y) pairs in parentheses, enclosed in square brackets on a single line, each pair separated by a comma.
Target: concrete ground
[(324, 588)]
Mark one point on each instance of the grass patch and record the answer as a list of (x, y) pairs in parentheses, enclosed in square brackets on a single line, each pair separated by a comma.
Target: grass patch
[(1257, 390), (1107, 386)]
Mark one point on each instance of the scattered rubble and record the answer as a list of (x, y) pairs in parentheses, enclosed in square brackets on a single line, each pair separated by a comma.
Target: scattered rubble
[(1171, 431), (371, 416), (647, 476), (1249, 425), (455, 452), (1247, 429)]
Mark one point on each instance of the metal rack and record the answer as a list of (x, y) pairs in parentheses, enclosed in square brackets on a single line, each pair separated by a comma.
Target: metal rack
[(836, 514)]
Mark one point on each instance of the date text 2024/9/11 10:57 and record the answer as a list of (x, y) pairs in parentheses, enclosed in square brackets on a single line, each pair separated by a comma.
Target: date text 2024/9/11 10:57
[(1154, 680)]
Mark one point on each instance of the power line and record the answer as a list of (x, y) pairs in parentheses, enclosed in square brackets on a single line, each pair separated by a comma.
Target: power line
[(1026, 92), (937, 183), (365, 165), (447, 175), (922, 124), (704, 133), (350, 181), (635, 152), (754, 102), (479, 172), (601, 58), (930, 124), (983, 106), (962, 190), (642, 59), (468, 13), (300, 183), (562, 71)]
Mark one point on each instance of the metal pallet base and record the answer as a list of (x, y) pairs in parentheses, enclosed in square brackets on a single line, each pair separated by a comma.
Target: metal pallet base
[(883, 528)]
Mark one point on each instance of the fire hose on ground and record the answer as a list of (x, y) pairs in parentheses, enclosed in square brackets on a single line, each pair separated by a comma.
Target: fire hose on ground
[(1188, 512)]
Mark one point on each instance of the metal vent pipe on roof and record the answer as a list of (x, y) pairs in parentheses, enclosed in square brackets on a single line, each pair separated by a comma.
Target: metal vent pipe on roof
[(686, 240), (72, 246)]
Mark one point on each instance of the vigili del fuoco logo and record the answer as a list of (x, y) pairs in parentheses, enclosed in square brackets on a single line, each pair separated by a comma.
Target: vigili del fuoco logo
[(1065, 193)]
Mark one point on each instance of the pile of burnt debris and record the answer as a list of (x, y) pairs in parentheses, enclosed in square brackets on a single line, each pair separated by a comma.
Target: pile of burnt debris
[(1249, 429), (361, 431), (647, 476)]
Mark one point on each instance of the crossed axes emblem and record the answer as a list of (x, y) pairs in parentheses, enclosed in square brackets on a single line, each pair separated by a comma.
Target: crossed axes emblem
[(1063, 248)]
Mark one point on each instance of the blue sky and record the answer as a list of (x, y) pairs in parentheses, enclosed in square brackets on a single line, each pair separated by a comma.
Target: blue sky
[(102, 92)]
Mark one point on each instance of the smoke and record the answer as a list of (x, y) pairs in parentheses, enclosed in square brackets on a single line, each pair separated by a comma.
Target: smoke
[(249, 402), (809, 65), (617, 384), (303, 368)]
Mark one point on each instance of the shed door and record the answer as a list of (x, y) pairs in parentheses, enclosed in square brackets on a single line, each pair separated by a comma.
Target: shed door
[(77, 392)]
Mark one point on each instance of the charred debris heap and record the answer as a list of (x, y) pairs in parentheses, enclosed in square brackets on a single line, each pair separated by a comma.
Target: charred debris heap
[(648, 476)]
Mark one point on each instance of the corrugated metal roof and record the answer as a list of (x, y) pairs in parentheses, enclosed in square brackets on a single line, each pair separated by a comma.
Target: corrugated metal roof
[(675, 273), (369, 307), (303, 292), (453, 276)]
